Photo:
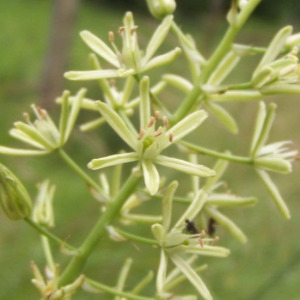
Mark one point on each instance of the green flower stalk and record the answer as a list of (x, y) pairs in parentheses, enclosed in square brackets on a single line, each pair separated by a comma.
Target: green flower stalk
[(14, 199)]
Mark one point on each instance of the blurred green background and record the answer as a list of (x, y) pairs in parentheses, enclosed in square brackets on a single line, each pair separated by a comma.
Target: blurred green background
[(267, 267)]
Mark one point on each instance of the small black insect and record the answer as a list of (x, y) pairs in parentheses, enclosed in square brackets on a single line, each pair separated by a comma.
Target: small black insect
[(211, 226), (190, 227)]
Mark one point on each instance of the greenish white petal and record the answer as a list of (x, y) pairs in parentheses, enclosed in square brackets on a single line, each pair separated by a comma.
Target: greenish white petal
[(99, 47), (274, 192), (275, 47), (227, 223), (187, 125), (92, 75), (191, 275), (112, 160), (184, 166), (118, 125), (151, 176), (274, 164), (162, 59), (223, 116), (158, 37), (21, 152)]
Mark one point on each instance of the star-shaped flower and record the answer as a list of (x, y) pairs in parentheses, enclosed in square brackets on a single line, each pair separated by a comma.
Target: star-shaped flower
[(130, 60), (274, 157), (42, 133), (49, 288), (150, 141)]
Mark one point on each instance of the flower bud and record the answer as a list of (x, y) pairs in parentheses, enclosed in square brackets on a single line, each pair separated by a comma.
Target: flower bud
[(161, 8), (14, 199)]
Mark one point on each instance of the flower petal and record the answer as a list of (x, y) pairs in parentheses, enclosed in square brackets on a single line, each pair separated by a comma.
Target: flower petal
[(118, 125), (193, 209), (167, 204), (161, 60), (275, 47), (226, 223), (99, 163), (99, 47), (21, 152), (187, 125), (184, 166), (223, 116), (151, 176), (158, 37), (264, 176), (73, 113), (191, 275), (144, 102), (92, 75)]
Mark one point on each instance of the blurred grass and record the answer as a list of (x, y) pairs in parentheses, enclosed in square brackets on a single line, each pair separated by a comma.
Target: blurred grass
[(267, 267)]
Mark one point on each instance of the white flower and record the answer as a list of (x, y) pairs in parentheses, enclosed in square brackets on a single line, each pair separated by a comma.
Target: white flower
[(42, 133), (273, 157), (150, 141), (130, 60), (49, 288)]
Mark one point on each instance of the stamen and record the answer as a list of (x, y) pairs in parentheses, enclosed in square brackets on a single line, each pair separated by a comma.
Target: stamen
[(215, 240), (171, 137), (141, 134), (133, 30), (111, 36), (201, 235), (121, 30), (151, 122), (157, 132), (165, 121), (42, 113), (26, 117), (156, 114)]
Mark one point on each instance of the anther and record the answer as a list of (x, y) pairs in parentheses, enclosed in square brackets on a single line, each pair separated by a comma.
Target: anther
[(133, 30), (41, 112), (151, 122), (111, 36), (215, 240), (165, 121), (171, 137), (26, 117), (201, 235), (121, 30), (157, 132), (141, 134), (156, 114)]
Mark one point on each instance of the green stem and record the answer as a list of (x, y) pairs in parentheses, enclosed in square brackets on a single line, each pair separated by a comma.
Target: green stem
[(222, 49), (78, 170), (136, 238), (48, 234), (226, 156), (77, 263), (48, 253), (112, 290), (227, 41)]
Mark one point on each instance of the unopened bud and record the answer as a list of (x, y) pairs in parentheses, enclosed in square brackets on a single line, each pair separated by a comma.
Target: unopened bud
[(161, 8), (14, 199)]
